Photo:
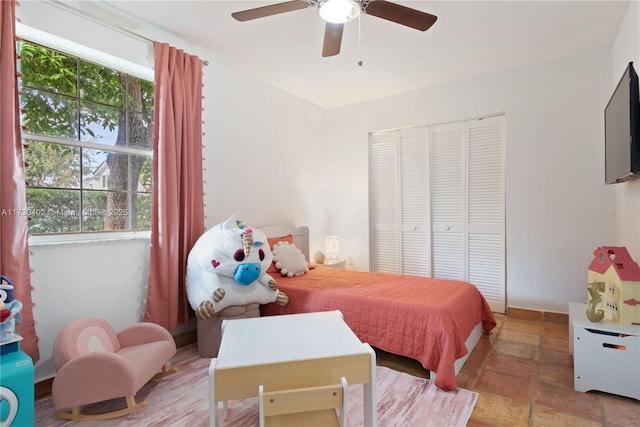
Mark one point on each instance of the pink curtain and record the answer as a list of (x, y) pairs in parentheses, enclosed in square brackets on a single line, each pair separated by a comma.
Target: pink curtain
[(14, 249), (177, 218)]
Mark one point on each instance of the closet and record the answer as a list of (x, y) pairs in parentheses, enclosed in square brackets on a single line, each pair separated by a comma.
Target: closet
[(437, 203)]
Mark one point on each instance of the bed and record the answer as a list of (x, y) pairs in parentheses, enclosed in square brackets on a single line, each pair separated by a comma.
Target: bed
[(435, 321)]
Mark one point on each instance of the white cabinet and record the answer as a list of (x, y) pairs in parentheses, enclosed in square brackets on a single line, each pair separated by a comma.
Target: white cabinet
[(437, 203), (606, 354)]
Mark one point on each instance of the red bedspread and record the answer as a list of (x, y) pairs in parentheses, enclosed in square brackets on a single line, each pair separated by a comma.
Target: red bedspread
[(422, 318)]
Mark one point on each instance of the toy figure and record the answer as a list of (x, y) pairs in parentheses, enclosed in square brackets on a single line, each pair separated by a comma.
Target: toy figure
[(9, 312), (227, 266)]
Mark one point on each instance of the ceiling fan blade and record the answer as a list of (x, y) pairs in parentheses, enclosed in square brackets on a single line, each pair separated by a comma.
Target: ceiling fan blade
[(332, 39), (274, 9), (401, 14)]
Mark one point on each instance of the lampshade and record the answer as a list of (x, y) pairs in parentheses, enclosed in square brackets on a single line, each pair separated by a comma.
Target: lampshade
[(339, 11), (332, 248)]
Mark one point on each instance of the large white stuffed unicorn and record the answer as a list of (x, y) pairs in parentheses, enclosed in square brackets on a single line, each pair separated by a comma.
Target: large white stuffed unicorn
[(228, 266)]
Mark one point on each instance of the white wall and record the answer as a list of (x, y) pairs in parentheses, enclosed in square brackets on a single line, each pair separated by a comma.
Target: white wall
[(558, 207), (265, 157), (626, 48), (72, 280)]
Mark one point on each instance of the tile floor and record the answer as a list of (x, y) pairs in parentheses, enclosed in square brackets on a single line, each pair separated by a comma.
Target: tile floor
[(523, 373)]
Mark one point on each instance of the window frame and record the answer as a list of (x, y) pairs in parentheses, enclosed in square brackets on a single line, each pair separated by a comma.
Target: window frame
[(87, 54)]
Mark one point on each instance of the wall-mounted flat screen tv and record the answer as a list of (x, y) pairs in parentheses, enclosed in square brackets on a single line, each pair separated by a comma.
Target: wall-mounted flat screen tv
[(622, 130)]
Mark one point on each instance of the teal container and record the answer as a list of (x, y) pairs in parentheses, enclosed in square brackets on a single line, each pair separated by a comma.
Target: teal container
[(17, 402)]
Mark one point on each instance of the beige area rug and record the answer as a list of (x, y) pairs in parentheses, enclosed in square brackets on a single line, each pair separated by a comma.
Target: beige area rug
[(180, 400)]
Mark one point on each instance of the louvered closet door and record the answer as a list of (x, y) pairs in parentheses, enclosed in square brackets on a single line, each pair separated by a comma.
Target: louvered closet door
[(414, 202), (448, 200), (437, 203), (486, 209), (399, 202), (384, 202)]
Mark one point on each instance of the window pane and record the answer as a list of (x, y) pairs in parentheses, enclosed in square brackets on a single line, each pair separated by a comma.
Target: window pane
[(53, 211), (140, 95), (141, 173), (100, 84), (117, 211), (140, 130), (43, 68), (147, 96), (94, 210), (95, 171), (45, 113), (118, 171), (101, 124), (52, 165), (143, 211)]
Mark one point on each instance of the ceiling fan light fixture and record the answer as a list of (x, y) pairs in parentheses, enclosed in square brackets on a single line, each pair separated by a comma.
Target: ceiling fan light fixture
[(339, 11)]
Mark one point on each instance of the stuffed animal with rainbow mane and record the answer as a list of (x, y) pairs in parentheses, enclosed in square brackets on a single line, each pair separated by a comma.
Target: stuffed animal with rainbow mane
[(227, 266)]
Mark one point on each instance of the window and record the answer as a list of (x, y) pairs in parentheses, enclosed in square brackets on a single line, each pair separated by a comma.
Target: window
[(88, 134)]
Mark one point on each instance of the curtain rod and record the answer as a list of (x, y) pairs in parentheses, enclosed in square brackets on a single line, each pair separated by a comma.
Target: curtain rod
[(105, 22)]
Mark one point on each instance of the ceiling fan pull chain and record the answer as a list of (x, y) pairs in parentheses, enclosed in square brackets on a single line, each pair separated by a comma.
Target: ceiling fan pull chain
[(360, 40)]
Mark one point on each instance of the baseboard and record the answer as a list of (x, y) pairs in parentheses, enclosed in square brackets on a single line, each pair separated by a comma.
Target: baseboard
[(186, 338), (548, 316), (43, 388)]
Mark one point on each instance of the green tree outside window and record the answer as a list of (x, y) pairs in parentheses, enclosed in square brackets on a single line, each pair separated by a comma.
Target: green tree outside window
[(88, 135)]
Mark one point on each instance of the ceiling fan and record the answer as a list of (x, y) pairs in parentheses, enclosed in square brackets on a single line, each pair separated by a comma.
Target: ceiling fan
[(337, 12)]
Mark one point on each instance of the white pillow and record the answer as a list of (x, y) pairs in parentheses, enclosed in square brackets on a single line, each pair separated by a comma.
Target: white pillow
[(289, 260)]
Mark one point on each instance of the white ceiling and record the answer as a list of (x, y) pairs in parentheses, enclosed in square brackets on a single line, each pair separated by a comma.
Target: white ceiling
[(470, 38)]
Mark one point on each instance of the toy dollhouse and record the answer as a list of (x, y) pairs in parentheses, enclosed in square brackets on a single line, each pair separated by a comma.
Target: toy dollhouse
[(619, 276)]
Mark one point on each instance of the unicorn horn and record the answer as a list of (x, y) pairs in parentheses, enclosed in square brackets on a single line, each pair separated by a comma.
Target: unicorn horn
[(247, 241)]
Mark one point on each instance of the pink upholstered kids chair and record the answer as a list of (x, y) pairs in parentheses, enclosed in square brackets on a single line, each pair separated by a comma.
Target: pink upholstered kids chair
[(94, 364)]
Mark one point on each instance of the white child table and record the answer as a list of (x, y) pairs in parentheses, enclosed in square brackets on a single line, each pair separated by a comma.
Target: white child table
[(290, 351)]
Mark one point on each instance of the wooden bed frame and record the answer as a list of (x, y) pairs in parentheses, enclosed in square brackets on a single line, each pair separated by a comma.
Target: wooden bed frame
[(301, 238)]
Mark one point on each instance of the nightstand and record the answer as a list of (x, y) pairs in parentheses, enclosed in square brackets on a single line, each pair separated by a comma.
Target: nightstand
[(338, 264)]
